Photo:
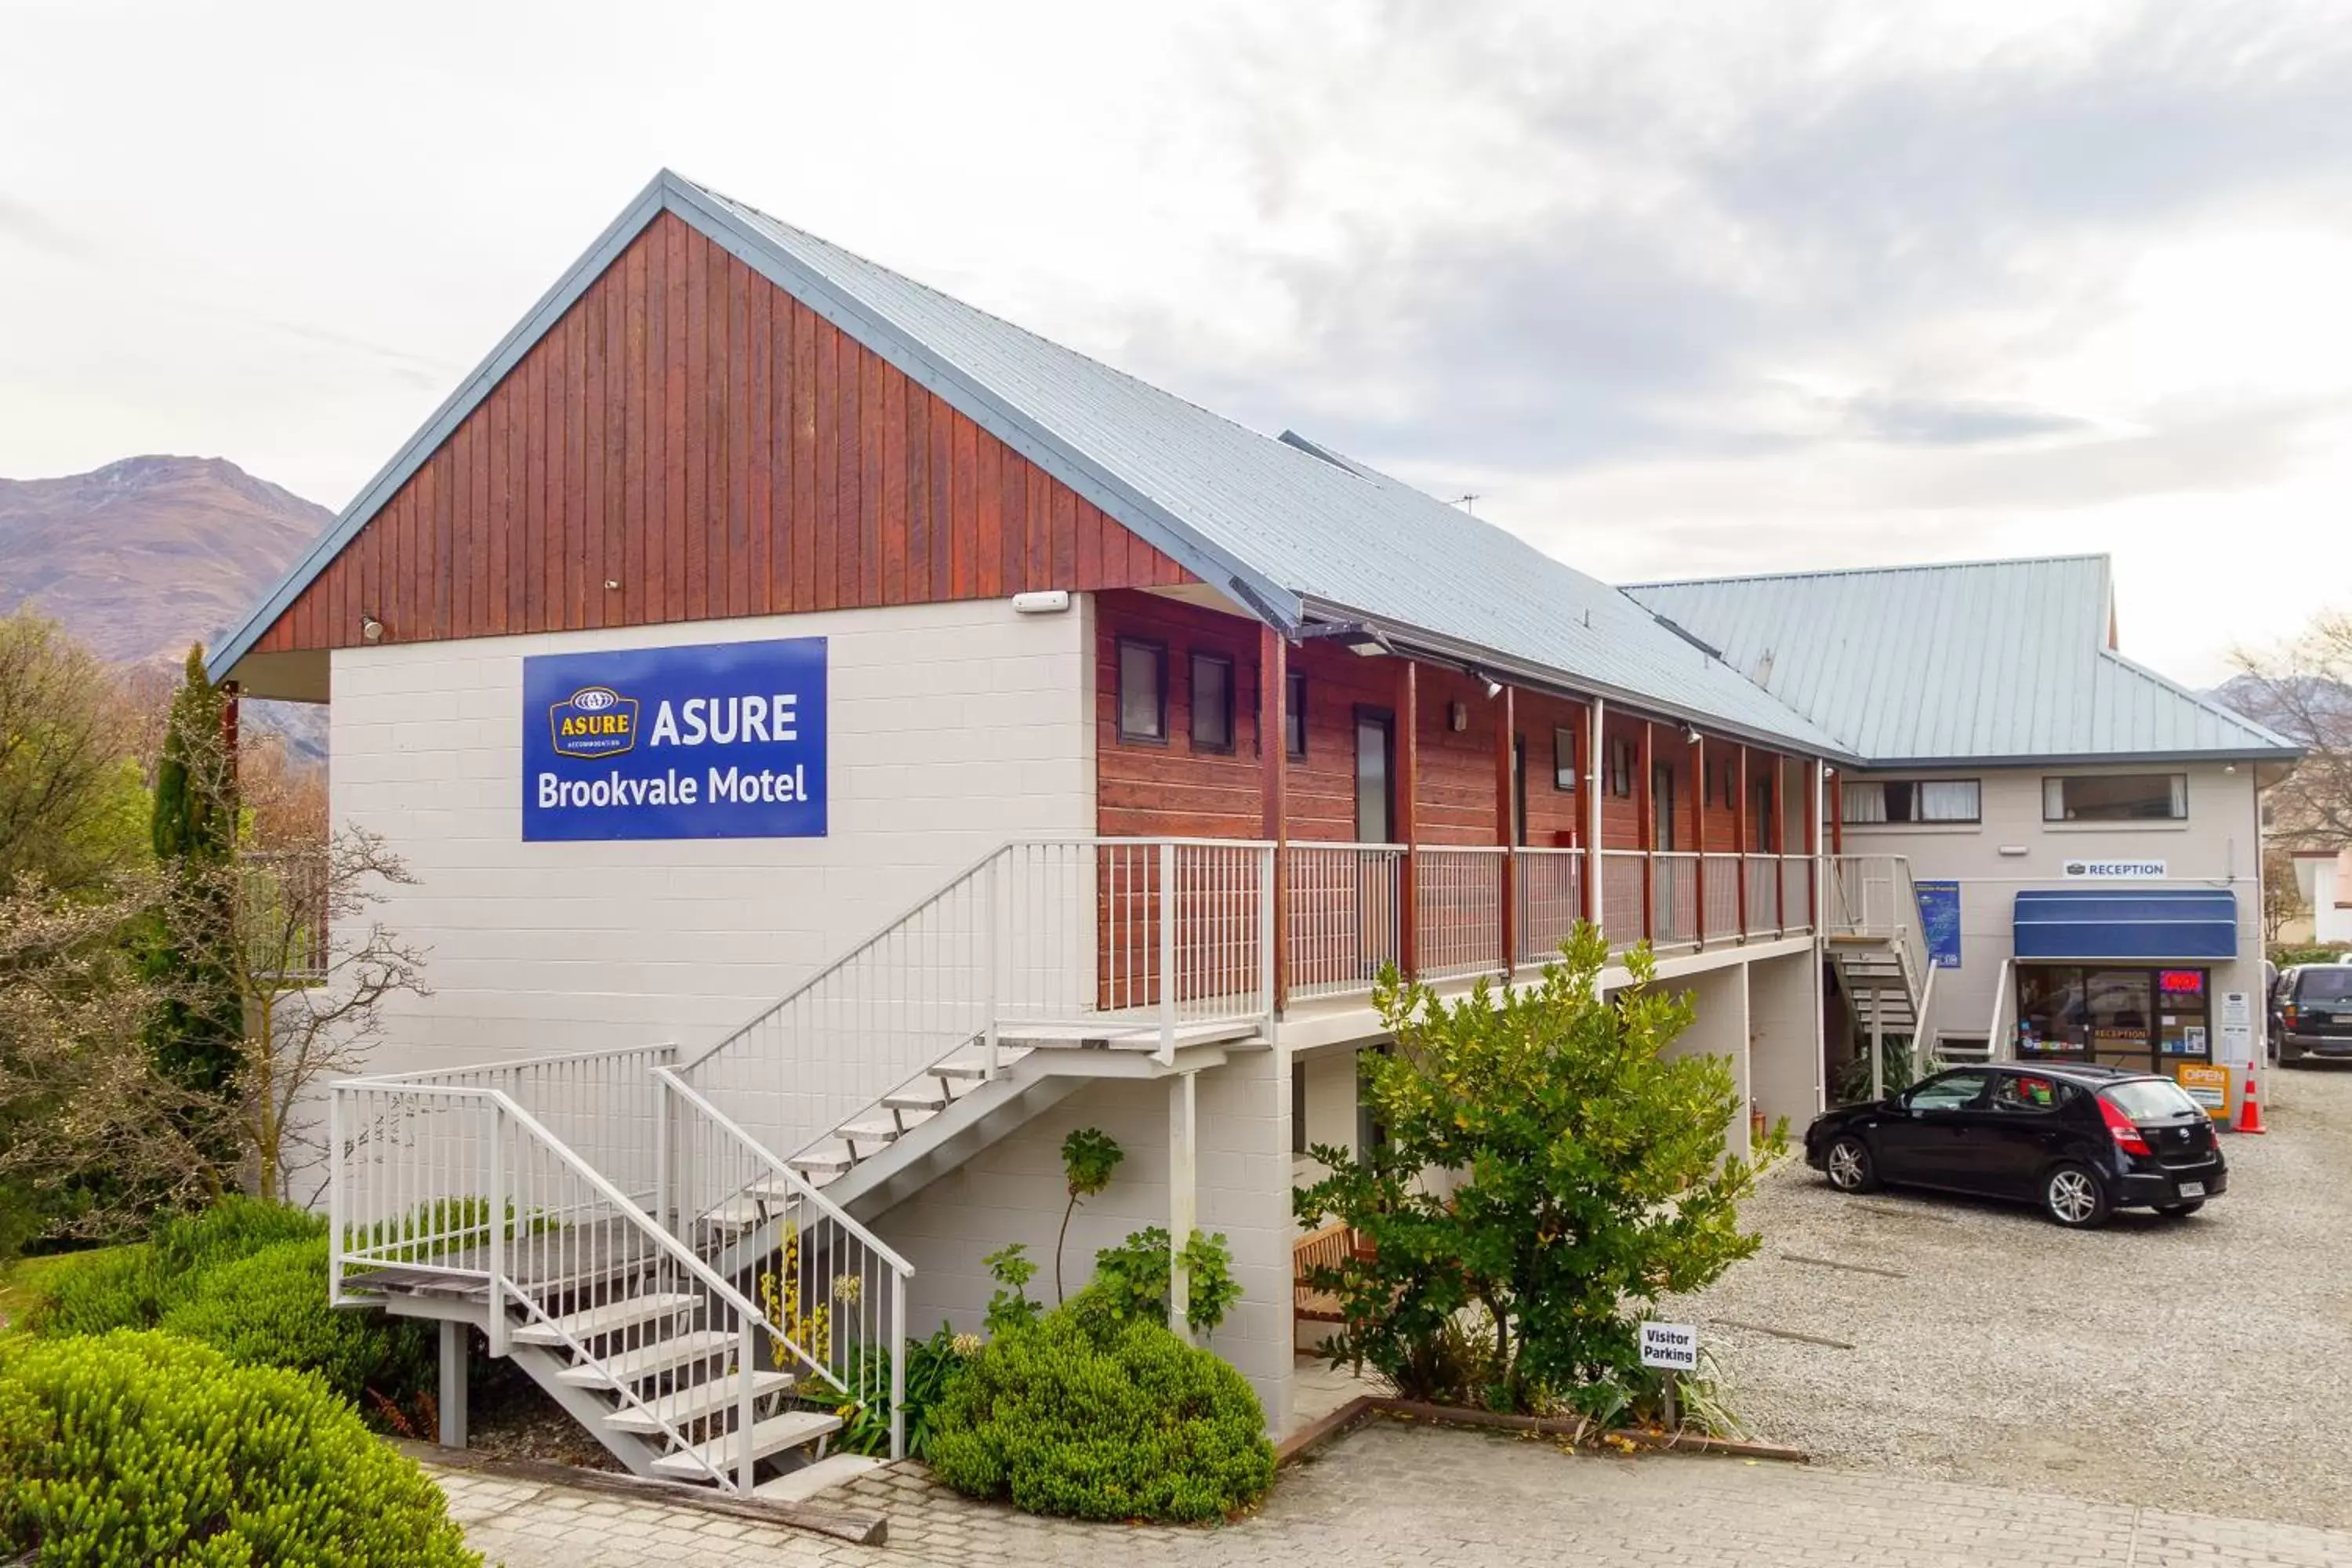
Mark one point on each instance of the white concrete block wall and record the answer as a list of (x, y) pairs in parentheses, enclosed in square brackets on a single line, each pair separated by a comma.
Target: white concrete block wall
[(1784, 1030), (1013, 1191), (1719, 1028), (2217, 845), (953, 727)]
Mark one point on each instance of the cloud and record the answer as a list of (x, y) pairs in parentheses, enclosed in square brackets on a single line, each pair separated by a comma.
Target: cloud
[(34, 229)]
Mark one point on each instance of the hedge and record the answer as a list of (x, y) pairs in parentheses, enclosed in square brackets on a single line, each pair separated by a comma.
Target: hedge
[(269, 1308), (1123, 1422), (143, 1448), (133, 1287)]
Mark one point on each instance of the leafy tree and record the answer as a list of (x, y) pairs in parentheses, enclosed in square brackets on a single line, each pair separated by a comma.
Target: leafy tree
[(71, 790), (1549, 1173), (1089, 1155)]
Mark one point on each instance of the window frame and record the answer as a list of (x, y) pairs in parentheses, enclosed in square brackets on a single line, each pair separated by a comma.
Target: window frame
[(1194, 660), (1293, 715), (1620, 767), (1563, 759), (2170, 777), (1914, 785), (1159, 652)]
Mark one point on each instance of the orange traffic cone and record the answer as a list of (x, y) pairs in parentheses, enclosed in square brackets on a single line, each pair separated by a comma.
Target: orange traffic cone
[(2249, 1114)]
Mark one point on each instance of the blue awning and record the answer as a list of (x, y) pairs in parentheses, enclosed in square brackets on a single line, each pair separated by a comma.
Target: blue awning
[(2125, 925)]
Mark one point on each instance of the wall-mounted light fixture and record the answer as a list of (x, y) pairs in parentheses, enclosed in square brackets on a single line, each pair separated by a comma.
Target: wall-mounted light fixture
[(1367, 642), (1690, 735), (1457, 717), (611, 584), (1043, 602), (371, 629)]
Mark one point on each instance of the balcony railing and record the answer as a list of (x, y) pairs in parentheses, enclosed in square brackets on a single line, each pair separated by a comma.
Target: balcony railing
[(1343, 905)]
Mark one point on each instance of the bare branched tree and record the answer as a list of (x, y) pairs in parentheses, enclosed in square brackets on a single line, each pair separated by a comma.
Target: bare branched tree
[(2281, 898), (2303, 691), (87, 1123)]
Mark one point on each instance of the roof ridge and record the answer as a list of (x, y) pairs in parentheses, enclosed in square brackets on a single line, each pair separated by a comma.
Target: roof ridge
[(959, 302), (1979, 563)]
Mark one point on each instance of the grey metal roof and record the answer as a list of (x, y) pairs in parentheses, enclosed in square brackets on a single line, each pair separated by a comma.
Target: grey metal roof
[(1975, 661), (1291, 529)]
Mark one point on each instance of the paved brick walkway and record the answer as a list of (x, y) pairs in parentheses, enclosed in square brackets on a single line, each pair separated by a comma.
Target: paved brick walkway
[(1398, 1494)]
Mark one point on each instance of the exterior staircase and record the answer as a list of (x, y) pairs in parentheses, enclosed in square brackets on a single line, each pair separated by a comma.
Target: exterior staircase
[(677, 1252), (1877, 945)]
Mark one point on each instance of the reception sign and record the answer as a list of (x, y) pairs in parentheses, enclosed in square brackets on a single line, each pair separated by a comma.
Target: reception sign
[(1939, 917), (713, 741)]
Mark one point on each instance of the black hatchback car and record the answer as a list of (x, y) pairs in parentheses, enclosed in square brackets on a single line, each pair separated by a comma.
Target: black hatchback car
[(2081, 1142)]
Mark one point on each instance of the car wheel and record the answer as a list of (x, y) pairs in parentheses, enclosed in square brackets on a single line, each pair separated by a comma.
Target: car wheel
[(2072, 1197), (2181, 1211), (1850, 1167)]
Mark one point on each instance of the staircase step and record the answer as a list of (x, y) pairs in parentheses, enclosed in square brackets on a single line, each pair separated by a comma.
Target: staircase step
[(610, 1317), (650, 1360), (822, 1162), (740, 1213), (833, 1470), (976, 1065), (774, 1190), (916, 1100), (774, 1436), (693, 1404), (867, 1133)]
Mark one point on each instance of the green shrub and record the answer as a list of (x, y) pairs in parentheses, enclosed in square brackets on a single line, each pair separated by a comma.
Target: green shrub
[(235, 1226), (269, 1308), (931, 1365), (96, 1292), (143, 1448), (1131, 1423), (1131, 1282)]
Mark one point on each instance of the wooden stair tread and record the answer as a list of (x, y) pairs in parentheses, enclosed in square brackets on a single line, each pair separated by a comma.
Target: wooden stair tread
[(610, 1317), (693, 1404), (649, 1360), (774, 1436)]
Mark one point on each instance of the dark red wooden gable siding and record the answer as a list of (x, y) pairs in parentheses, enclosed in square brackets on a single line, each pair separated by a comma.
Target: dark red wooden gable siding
[(695, 434)]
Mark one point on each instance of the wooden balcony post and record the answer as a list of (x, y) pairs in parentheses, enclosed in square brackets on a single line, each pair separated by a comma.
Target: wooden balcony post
[(1649, 799), (1274, 793), (1813, 847), (1739, 838), (1698, 831), (1407, 826), (1506, 795), (1592, 823)]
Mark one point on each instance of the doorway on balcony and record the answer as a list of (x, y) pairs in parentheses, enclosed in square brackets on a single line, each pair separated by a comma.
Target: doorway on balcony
[(1664, 913)]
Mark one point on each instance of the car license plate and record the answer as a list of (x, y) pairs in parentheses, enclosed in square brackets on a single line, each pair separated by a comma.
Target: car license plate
[(2192, 1189)]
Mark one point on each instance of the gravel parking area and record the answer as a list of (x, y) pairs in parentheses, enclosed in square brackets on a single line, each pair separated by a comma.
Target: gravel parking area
[(2201, 1363)]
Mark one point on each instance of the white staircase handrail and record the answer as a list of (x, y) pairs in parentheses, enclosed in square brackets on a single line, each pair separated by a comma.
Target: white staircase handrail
[(2001, 1046), (750, 1318)]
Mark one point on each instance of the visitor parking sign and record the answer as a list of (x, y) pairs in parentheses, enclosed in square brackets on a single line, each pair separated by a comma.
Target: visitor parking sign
[(709, 741)]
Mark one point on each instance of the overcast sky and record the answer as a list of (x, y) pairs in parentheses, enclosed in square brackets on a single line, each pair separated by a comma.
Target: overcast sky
[(1675, 291)]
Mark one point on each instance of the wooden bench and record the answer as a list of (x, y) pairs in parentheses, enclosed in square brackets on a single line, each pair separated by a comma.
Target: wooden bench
[(1325, 1249)]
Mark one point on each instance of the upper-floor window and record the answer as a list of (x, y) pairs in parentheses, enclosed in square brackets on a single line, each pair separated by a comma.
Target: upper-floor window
[(1563, 759), (1294, 718), (1620, 767), (1142, 690), (1913, 800), (2116, 798), (1213, 702)]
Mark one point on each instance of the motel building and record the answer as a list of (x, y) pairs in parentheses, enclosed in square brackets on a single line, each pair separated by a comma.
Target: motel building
[(843, 743)]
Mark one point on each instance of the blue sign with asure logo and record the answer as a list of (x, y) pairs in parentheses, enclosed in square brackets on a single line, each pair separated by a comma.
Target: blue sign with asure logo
[(1939, 917), (714, 740)]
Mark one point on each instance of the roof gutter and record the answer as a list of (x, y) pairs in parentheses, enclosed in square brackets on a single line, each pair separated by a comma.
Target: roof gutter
[(1444, 649)]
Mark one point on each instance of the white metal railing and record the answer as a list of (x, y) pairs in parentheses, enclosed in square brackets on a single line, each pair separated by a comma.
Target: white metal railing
[(1142, 936), (462, 1183), (2001, 1034), (1873, 895), (1798, 911), (1458, 910), (833, 1295), (1720, 910), (1343, 915), (1761, 875), (1623, 873), (1551, 890), (1673, 897)]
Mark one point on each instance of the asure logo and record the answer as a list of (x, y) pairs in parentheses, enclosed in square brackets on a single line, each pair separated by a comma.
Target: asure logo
[(593, 721)]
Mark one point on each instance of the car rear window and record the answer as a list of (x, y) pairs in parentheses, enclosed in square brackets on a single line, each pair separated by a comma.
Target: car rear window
[(2324, 986), (2148, 1098)]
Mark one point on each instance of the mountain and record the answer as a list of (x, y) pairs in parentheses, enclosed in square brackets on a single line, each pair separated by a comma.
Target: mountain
[(145, 556)]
